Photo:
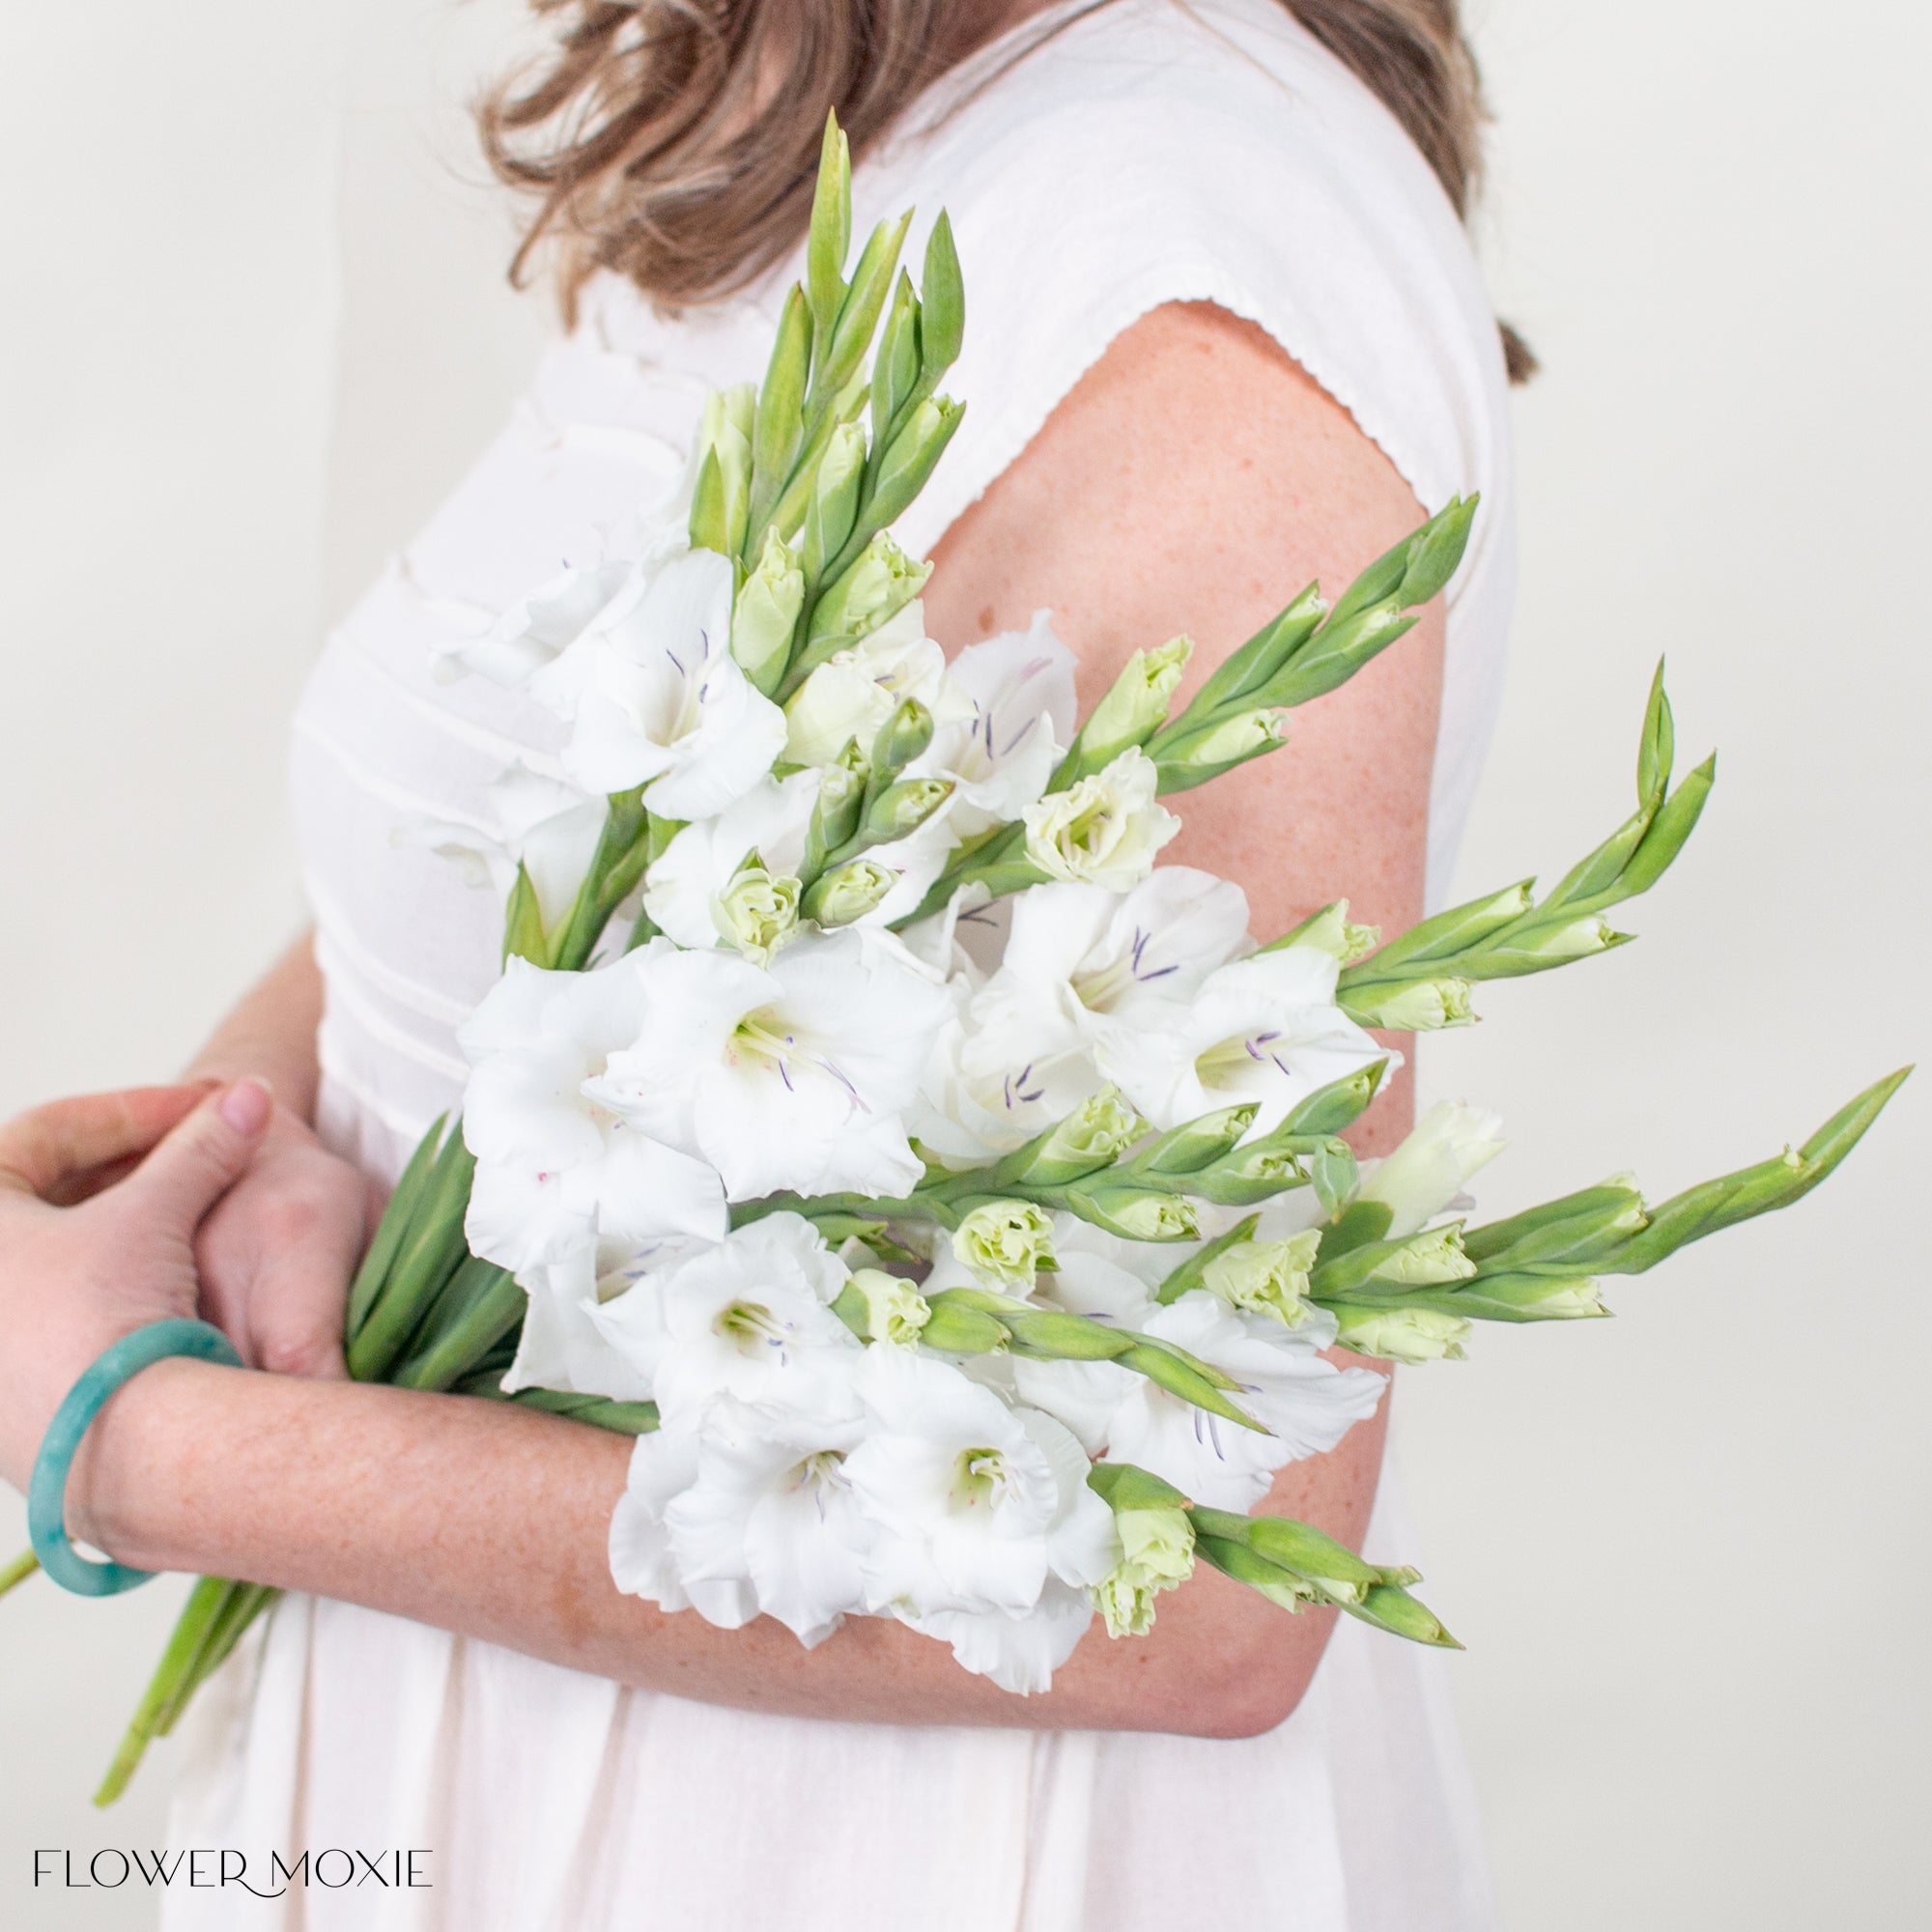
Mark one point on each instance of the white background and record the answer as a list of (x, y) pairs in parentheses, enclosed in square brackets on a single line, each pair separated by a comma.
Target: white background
[(254, 325)]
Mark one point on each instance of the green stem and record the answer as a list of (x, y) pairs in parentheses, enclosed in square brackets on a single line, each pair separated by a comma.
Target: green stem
[(192, 1631), (242, 1604), (18, 1571)]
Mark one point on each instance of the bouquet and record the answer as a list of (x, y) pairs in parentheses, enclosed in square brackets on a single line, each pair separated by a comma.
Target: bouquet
[(951, 1200)]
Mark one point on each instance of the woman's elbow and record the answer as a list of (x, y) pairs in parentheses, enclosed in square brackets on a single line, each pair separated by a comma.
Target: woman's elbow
[(1232, 1676)]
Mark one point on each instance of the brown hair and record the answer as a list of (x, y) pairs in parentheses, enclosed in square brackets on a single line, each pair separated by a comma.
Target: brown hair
[(674, 141)]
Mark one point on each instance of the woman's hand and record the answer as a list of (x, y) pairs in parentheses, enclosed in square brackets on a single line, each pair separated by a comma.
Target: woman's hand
[(277, 1254), (87, 1256)]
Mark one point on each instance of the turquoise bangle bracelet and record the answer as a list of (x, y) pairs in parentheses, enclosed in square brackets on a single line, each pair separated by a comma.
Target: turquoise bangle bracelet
[(46, 1491)]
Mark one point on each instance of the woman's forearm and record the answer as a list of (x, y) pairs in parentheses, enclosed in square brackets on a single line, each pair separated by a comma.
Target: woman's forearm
[(491, 1521), (269, 1034)]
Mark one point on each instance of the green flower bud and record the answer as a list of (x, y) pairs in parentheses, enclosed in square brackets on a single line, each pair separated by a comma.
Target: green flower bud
[(901, 738), (756, 912), (834, 496), (901, 809), (1572, 1300), (848, 892), (1580, 1227), (1156, 1553), (1532, 951), (1093, 1136), (1423, 1006), (1428, 1260), (725, 439), (962, 1330), (1266, 1277), (1205, 755), (1006, 1242), (912, 456), (1193, 1145), (834, 816), (1393, 1609), (1136, 1214), (766, 615), (1135, 707), (896, 1312), (1373, 1259), (881, 581), (1329, 931), (1401, 1334)]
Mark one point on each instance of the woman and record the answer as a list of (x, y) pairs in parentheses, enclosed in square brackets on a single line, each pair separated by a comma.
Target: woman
[(1224, 336)]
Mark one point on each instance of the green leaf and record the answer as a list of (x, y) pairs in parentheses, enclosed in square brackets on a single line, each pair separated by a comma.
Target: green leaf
[(429, 1255), (524, 936), (394, 1228)]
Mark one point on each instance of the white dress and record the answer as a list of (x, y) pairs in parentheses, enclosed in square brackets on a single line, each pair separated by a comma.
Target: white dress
[(1146, 154)]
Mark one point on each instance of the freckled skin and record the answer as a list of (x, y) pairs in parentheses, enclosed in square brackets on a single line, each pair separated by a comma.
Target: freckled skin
[(1195, 480)]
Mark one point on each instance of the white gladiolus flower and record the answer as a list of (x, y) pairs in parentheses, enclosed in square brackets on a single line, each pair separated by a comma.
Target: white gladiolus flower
[(555, 1168), (1265, 1031), (535, 632), (977, 1504), (768, 1513), (1002, 754), (1106, 828), (685, 890), (577, 1330), (1019, 1654), (662, 702), (1308, 1404), (749, 1318), (1428, 1171), (856, 689), (548, 827), (786, 1076), (664, 1465), (1081, 964)]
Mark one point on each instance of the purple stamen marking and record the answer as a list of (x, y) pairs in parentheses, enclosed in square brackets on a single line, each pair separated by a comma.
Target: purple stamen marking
[(1260, 1040), (1141, 938)]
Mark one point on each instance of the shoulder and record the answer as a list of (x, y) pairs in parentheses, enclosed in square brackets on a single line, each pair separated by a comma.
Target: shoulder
[(1146, 153)]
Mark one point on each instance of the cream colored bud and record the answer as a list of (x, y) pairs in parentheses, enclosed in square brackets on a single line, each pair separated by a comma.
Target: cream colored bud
[(896, 1312), (1266, 1277), (756, 912), (1006, 1242), (1106, 828), (1401, 1334), (1156, 1553)]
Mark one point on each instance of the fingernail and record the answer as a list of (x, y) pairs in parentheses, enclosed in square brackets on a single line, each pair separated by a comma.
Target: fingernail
[(246, 1106)]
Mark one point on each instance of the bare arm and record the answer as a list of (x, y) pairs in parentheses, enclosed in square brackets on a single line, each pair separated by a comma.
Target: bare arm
[(1195, 479), (269, 1034)]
